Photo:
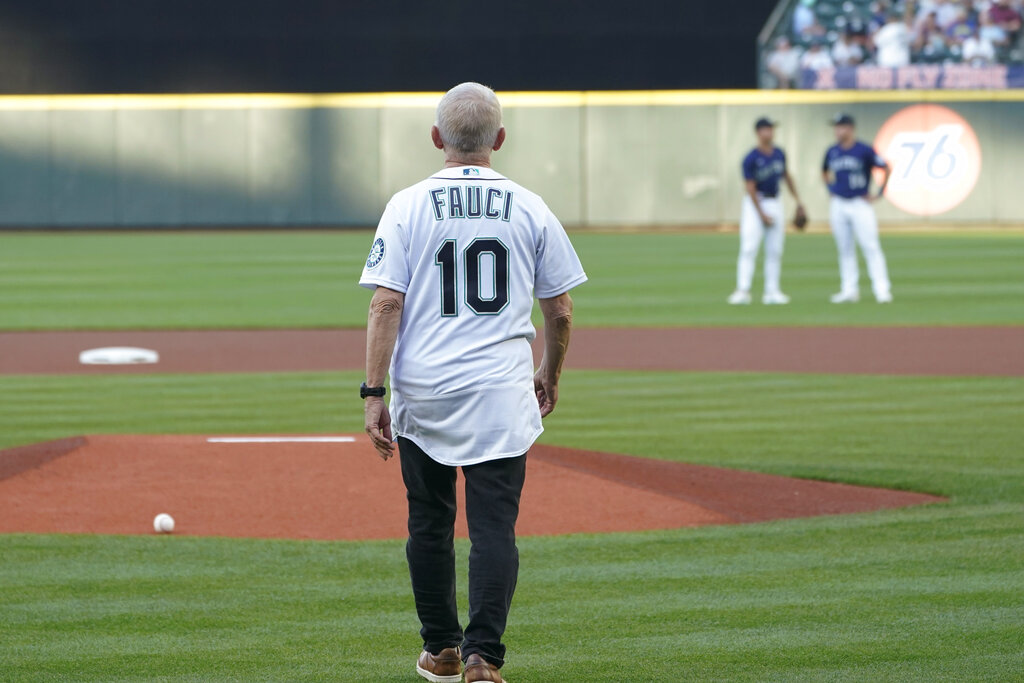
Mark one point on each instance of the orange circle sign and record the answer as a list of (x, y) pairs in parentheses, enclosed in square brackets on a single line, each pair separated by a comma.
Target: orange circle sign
[(935, 158)]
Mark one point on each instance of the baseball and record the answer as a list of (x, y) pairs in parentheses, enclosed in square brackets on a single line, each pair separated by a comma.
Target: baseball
[(163, 523)]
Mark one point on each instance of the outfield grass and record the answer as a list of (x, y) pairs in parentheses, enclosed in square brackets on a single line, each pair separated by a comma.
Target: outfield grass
[(296, 279), (932, 593)]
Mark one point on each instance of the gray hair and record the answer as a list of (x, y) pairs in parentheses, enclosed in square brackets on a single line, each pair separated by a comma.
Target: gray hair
[(469, 118)]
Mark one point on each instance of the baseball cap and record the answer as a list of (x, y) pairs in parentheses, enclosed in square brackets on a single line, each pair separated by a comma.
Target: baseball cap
[(765, 122), (842, 119)]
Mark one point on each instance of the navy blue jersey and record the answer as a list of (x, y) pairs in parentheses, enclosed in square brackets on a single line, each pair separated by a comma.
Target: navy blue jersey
[(850, 169), (765, 170)]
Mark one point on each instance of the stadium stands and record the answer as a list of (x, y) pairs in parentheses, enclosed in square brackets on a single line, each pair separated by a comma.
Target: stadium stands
[(819, 34)]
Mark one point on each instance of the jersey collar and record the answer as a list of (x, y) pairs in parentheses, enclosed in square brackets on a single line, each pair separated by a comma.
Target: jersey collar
[(467, 173)]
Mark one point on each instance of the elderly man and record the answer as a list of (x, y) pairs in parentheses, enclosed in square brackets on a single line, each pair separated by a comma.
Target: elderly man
[(455, 265)]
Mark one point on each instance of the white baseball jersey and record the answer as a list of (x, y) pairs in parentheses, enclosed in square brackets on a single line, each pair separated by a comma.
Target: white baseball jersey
[(470, 249)]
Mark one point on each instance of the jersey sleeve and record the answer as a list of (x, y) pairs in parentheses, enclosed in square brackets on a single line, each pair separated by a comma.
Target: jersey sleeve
[(875, 158), (558, 267), (748, 167), (388, 262), (824, 162)]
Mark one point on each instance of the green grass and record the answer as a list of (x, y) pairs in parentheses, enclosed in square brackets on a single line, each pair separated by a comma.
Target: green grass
[(924, 594), (296, 279), (933, 593), (954, 436)]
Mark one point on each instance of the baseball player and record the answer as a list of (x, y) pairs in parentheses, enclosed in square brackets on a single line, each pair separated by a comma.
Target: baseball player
[(847, 173), (455, 265), (761, 216)]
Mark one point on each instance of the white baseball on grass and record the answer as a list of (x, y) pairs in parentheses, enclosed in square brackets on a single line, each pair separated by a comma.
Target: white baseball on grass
[(163, 523)]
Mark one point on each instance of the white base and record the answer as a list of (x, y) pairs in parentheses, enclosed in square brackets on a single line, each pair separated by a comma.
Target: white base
[(118, 355)]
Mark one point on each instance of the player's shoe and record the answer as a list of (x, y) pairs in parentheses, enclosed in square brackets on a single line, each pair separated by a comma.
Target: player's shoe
[(739, 298), (775, 299), (444, 667), (845, 298), (479, 670), (884, 298)]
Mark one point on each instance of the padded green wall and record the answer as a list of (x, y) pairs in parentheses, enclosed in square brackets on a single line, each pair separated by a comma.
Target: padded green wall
[(603, 161)]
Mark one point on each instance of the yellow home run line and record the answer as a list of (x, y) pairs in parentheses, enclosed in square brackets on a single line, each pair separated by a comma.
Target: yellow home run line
[(595, 98)]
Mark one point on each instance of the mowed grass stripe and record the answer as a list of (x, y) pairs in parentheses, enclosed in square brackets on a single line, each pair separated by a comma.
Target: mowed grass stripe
[(308, 279), (35, 408), (893, 593), (940, 435)]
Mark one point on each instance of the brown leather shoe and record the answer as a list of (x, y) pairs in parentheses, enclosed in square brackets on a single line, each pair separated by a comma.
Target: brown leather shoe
[(444, 667), (479, 669)]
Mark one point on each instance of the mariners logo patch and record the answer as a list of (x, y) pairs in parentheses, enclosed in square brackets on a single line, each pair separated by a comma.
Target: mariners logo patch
[(376, 253)]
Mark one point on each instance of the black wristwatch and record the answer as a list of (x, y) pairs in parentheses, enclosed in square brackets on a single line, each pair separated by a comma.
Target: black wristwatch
[(365, 391)]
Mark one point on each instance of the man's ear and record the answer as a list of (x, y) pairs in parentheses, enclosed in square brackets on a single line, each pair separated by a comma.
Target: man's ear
[(435, 136), (500, 139)]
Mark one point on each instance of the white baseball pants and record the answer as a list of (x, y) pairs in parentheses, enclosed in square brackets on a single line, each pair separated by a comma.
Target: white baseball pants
[(854, 222), (752, 231)]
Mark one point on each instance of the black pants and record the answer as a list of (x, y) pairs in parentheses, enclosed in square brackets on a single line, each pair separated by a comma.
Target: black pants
[(492, 506)]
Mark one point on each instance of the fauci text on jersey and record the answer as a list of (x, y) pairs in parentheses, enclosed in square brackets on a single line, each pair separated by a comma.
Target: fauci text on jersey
[(473, 201)]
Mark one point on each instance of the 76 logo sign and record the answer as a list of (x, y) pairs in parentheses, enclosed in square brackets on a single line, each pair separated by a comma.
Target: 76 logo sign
[(935, 157)]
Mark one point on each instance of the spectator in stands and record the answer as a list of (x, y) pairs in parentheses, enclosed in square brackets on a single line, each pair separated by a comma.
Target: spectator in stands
[(803, 17), (879, 15), (893, 40), (945, 13), (977, 51), (993, 33), (930, 41), (848, 51), (922, 9), (961, 29), (816, 57), (784, 63), (1004, 15), (815, 30)]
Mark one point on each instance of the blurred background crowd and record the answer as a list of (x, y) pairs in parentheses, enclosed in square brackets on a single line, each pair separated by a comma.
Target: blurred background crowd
[(822, 34)]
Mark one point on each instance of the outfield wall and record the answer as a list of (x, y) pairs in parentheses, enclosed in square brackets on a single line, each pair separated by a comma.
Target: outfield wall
[(639, 159)]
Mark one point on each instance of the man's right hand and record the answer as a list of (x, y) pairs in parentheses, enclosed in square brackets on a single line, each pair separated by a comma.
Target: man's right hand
[(767, 220), (547, 393), (378, 426), (557, 312)]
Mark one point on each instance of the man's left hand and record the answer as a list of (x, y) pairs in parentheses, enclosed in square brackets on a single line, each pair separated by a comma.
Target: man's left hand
[(547, 392), (378, 426)]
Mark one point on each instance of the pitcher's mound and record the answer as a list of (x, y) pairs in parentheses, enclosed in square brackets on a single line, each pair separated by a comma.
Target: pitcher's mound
[(337, 488)]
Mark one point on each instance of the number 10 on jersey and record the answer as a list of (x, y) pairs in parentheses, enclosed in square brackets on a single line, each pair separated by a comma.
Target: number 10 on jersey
[(485, 259)]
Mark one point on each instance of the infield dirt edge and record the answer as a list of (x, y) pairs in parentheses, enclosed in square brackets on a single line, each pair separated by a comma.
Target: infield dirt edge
[(116, 484)]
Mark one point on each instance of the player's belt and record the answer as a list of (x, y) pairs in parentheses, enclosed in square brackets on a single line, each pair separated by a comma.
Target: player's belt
[(765, 195)]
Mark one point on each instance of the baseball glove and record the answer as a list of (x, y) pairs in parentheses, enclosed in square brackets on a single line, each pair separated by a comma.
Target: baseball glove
[(800, 218)]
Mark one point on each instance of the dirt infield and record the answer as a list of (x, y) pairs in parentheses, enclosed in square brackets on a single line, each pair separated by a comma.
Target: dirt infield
[(117, 484), (342, 490), (994, 351)]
